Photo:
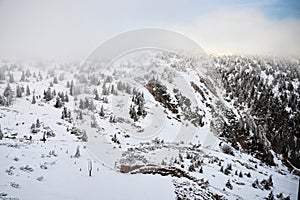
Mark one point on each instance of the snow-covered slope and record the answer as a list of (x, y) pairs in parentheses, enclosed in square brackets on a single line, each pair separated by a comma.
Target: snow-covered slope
[(147, 126)]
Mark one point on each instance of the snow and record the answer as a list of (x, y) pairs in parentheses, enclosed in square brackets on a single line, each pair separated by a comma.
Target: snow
[(66, 177)]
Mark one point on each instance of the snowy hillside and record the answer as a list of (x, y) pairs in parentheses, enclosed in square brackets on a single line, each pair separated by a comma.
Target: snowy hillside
[(151, 125)]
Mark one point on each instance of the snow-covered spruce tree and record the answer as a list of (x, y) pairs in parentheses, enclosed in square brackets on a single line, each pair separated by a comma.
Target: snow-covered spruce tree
[(266, 184), (60, 95), (48, 94), (133, 114), (27, 73), (33, 101), (81, 104), (93, 122), (8, 94), (77, 154), (80, 115), (105, 91), (18, 92), (270, 180), (11, 78), (128, 89), (90, 167), (91, 105), (96, 95), (33, 128), (228, 185), (201, 170), (2, 101), (141, 109), (241, 174), (22, 76), (72, 89), (86, 103), (248, 175), (113, 90), (255, 184), (84, 137), (38, 124), (22, 88), (222, 169), (105, 100), (66, 97), (55, 80), (40, 76), (112, 119), (101, 113), (69, 114), (61, 76), (115, 139), (27, 90), (93, 80), (51, 72), (2, 74), (120, 86), (1, 133), (192, 168), (58, 103), (64, 113), (270, 196)]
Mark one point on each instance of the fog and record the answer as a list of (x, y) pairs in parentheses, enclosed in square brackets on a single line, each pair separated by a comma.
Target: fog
[(72, 29)]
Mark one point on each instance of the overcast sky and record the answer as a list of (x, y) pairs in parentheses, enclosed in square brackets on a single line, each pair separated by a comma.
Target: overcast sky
[(72, 29)]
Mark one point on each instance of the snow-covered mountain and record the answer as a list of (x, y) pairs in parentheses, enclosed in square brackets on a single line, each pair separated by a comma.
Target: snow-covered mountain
[(151, 125)]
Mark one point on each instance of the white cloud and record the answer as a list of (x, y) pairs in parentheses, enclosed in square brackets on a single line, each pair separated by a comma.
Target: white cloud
[(72, 29), (246, 32)]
